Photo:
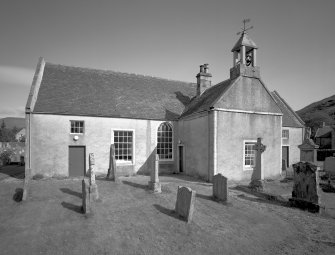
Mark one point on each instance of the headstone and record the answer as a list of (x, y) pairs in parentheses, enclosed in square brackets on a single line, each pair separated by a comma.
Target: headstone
[(220, 187), (112, 175), (305, 187), (329, 165), (86, 196), (154, 183), (93, 189), (26, 184), (185, 203), (308, 151)]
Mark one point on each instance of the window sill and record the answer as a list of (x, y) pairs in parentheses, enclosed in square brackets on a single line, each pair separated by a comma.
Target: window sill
[(166, 161), (248, 169)]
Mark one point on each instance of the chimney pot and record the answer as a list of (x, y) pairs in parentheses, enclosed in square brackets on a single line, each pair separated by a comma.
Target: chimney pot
[(203, 79)]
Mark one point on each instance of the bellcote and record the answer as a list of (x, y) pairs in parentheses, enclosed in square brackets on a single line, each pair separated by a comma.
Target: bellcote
[(244, 58)]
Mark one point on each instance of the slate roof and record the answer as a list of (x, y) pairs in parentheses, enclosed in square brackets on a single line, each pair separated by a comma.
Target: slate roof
[(324, 131), (89, 92), (290, 118), (208, 98), (244, 40)]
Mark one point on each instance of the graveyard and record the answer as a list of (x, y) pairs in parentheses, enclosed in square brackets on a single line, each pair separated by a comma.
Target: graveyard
[(132, 216)]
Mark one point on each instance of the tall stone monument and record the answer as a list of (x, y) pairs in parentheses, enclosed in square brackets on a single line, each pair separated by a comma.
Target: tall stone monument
[(94, 194), (154, 183), (308, 150), (257, 174)]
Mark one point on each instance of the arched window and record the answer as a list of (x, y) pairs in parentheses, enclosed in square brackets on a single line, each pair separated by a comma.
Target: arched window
[(164, 141)]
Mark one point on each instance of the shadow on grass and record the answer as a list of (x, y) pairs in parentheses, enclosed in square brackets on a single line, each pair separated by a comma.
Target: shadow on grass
[(14, 171), (72, 207), (261, 197), (204, 197), (168, 212), (187, 178), (136, 185), (17, 197), (71, 192)]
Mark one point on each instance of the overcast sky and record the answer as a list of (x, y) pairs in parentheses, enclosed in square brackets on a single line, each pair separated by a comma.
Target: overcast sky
[(169, 39)]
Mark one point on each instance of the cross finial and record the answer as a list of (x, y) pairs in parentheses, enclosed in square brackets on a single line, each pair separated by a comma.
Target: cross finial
[(244, 29)]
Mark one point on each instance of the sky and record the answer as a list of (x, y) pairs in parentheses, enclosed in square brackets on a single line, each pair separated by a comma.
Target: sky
[(169, 39)]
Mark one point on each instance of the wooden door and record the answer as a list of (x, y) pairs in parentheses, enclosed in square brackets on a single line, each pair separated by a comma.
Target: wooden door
[(285, 155), (77, 160), (181, 159)]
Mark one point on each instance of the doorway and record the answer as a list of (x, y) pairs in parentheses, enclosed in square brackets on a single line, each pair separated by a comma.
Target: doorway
[(77, 161), (181, 158), (285, 156)]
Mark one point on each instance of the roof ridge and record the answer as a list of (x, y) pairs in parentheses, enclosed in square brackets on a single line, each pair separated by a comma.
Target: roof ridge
[(118, 72)]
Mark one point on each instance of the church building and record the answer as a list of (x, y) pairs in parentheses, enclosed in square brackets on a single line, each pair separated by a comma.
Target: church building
[(197, 129)]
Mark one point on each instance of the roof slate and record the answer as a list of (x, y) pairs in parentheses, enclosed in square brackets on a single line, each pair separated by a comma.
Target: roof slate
[(208, 98), (89, 92), (290, 118), (324, 131)]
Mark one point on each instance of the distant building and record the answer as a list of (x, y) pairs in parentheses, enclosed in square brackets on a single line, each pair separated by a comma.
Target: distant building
[(19, 135), (197, 128), (325, 137)]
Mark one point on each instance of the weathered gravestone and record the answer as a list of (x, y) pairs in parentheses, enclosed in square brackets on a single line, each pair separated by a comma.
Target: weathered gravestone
[(93, 188), (308, 150), (154, 183), (86, 196), (306, 186), (112, 174), (329, 165), (185, 203), (220, 187), (257, 174)]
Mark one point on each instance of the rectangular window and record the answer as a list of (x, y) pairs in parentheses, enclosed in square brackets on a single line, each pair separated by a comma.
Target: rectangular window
[(123, 141), (77, 127), (285, 134), (249, 155)]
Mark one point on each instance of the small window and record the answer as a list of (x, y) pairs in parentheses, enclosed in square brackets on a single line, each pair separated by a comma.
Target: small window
[(164, 142), (123, 141), (249, 155), (285, 134), (77, 127)]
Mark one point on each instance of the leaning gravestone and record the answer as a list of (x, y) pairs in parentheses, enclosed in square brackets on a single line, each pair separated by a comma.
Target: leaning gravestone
[(329, 165), (154, 183), (305, 187), (185, 203), (220, 187)]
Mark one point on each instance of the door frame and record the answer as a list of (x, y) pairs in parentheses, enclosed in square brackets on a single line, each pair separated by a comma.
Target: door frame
[(83, 146)]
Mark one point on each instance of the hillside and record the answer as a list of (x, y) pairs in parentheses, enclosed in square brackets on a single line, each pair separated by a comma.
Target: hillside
[(318, 112), (11, 122)]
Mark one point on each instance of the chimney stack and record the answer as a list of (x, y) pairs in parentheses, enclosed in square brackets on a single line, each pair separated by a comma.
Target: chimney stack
[(203, 79)]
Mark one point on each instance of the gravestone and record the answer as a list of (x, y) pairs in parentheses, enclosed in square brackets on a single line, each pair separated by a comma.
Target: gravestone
[(185, 203), (220, 187), (329, 165), (86, 196), (257, 174), (93, 188), (26, 184), (306, 185), (154, 183), (112, 174), (308, 150)]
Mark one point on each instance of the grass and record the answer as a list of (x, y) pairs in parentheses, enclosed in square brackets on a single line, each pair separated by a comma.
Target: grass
[(131, 220)]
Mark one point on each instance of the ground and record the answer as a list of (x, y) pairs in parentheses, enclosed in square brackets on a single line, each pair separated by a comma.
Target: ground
[(131, 220)]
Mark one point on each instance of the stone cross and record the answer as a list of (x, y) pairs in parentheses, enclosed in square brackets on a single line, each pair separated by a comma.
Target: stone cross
[(91, 167), (154, 184), (258, 171)]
